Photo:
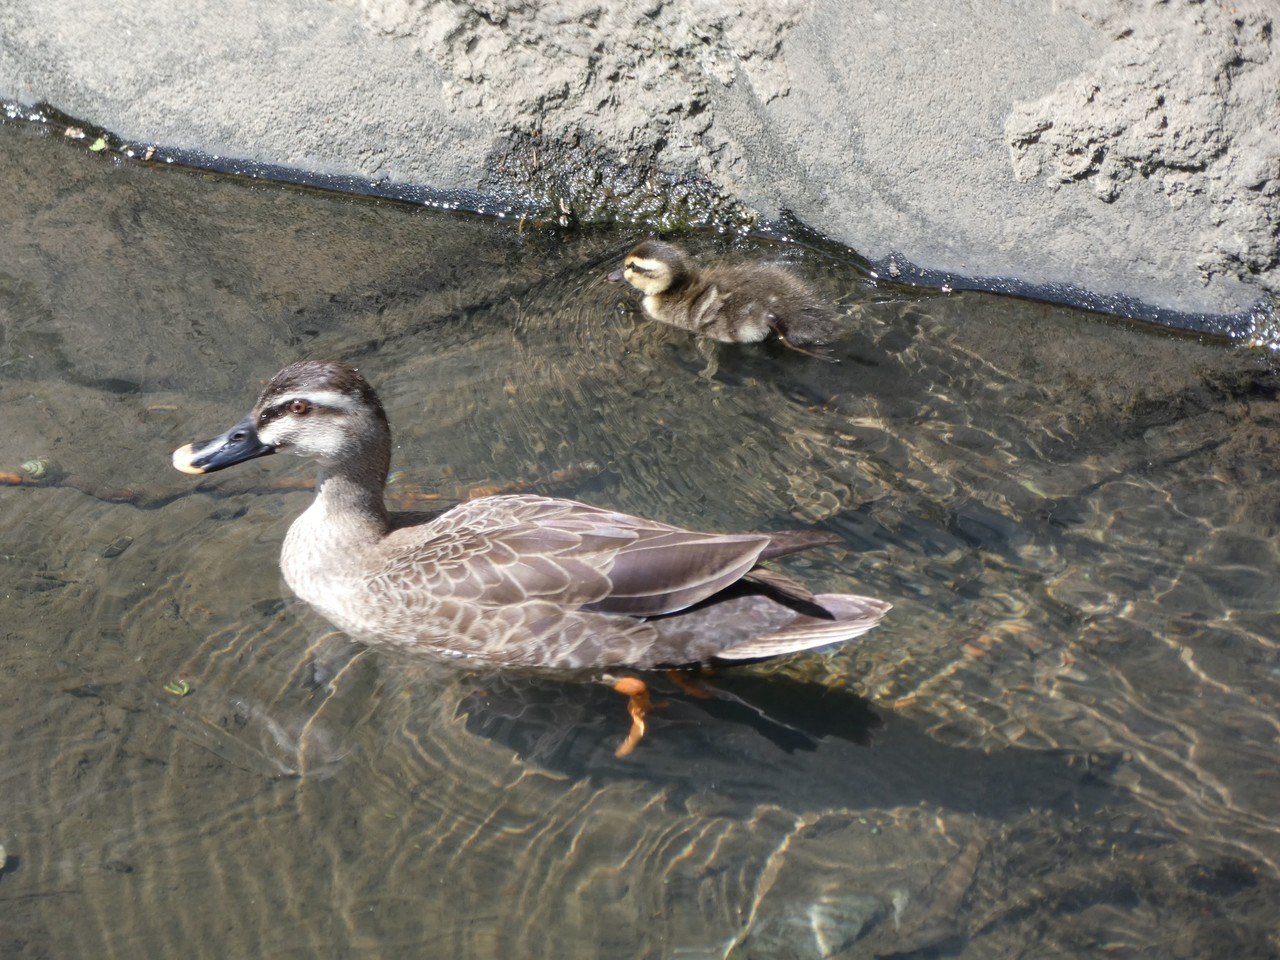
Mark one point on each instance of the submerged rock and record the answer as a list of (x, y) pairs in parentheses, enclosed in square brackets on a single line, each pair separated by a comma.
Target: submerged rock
[(812, 931)]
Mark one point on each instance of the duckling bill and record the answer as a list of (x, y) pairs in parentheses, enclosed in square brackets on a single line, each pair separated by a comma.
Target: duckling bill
[(732, 303), (521, 580)]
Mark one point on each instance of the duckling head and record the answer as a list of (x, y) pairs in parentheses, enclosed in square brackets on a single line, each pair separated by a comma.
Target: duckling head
[(323, 410), (654, 267)]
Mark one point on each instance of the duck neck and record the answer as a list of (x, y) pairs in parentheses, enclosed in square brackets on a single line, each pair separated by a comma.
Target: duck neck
[(349, 496), (681, 279)]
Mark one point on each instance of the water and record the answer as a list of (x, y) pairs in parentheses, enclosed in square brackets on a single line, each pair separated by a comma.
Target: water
[(1063, 740)]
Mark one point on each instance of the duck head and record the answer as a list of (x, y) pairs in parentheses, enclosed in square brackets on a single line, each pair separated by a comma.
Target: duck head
[(654, 267), (323, 410)]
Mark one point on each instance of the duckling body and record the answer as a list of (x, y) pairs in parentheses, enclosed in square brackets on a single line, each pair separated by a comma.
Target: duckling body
[(527, 580), (732, 303)]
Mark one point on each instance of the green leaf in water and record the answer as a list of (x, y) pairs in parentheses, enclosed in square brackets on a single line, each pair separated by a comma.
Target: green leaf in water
[(98, 145), (179, 688)]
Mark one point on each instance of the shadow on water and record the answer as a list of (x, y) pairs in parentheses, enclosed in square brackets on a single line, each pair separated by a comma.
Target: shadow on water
[(838, 749)]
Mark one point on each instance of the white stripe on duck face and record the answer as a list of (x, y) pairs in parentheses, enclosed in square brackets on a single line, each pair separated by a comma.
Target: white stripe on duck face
[(640, 263), (331, 399)]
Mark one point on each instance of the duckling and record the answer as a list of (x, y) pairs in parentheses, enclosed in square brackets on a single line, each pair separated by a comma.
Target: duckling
[(732, 303), (516, 579)]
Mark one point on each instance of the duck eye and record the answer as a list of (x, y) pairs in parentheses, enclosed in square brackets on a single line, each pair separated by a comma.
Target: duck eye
[(299, 407)]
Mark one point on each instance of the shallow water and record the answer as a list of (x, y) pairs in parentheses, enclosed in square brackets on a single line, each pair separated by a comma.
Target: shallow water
[(1063, 740)]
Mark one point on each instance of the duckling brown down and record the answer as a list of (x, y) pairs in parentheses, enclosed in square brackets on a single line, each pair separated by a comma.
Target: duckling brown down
[(733, 303)]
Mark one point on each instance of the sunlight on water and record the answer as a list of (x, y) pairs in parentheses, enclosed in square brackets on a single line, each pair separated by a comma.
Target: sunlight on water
[(1063, 740)]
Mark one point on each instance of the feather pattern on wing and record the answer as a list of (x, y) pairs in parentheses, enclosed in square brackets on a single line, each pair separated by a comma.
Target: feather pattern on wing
[(501, 550)]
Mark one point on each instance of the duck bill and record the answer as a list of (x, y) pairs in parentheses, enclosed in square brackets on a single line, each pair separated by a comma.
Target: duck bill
[(615, 277), (237, 445)]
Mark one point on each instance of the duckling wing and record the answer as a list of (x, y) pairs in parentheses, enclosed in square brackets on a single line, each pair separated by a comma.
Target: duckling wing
[(500, 551)]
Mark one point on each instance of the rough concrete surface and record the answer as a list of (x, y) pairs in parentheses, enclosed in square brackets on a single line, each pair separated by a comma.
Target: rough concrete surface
[(1123, 149)]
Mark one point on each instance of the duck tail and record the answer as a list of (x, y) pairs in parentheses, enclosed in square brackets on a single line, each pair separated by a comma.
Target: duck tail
[(853, 616), (783, 542), (817, 324)]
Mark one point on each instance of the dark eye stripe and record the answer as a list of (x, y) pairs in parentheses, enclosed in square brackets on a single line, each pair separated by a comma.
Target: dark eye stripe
[(278, 410)]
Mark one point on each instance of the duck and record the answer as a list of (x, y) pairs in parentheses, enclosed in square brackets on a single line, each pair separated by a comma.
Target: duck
[(517, 580), (732, 303)]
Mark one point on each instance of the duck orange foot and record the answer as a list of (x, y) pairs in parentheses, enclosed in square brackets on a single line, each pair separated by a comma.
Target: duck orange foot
[(638, 704)]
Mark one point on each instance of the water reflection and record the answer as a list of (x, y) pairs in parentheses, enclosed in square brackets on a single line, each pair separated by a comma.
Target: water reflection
[(1062, 741)]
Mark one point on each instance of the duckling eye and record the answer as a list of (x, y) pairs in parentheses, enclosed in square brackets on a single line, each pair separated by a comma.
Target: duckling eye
[(299, 407)]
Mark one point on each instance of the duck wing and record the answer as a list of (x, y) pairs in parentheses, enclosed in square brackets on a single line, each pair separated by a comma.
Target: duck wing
[(505, 550)]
